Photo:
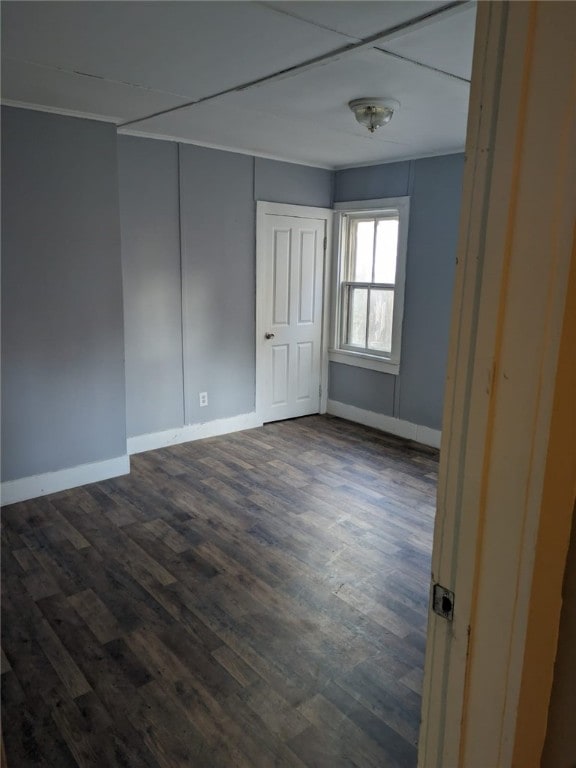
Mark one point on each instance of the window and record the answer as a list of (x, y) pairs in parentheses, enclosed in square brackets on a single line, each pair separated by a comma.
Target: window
[(370, 286)]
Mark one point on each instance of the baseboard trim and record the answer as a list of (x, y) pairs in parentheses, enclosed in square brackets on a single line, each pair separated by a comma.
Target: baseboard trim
[(31, 487), (154, 440), (398, 427), (13, 491)]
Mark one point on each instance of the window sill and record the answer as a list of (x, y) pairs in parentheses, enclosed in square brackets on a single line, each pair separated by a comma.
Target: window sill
[(363, 361)]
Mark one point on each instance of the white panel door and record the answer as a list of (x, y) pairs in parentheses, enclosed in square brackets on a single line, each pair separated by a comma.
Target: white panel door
[(291, 272)]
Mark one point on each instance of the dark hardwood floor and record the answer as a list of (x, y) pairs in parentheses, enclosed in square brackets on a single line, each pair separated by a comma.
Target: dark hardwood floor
[(256, 599)]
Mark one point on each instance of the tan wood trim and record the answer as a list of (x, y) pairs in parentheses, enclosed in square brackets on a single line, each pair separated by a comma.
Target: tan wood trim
[(551, 549), (514, 258), (445, 669)]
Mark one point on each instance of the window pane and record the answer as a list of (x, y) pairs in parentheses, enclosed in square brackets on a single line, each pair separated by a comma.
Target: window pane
[(380, 321), (386, 251), (357, 306), (363, 252)]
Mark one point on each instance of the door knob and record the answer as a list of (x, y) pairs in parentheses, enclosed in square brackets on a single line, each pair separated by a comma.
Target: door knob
[(268, 335)]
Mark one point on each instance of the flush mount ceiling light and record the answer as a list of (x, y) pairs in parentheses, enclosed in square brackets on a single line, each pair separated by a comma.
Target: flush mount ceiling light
[(373, 113)]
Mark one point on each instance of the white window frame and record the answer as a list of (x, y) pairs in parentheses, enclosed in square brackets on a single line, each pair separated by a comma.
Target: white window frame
[(344, 211)]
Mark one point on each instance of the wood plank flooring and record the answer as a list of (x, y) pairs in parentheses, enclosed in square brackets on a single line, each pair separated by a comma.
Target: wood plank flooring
[(257, 599)]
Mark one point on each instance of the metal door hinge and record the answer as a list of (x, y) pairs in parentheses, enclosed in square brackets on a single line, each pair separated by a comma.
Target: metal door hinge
[(325, 243), (443, 602)]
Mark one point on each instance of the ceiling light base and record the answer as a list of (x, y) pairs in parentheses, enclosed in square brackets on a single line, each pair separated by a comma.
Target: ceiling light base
[(373, 113)]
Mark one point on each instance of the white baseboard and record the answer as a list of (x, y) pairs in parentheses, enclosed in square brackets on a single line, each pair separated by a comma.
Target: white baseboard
[(398, 427), (26, 488), (51, 482), (154, 440)]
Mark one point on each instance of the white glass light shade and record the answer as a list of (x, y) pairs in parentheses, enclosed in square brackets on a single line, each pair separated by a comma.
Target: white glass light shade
[(373, 113)]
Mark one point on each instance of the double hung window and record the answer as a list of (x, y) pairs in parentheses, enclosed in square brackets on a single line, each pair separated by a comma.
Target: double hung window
[(370, 290)]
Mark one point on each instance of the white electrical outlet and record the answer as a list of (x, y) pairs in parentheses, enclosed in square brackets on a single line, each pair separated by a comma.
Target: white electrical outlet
[(203, 397)]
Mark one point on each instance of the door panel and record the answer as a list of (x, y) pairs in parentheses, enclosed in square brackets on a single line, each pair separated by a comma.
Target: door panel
[(281, 278), (304, 372), (307, 278), (292, 265), (280, 370)]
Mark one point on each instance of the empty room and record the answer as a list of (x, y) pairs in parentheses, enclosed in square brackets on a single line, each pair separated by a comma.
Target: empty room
[(234, 337)]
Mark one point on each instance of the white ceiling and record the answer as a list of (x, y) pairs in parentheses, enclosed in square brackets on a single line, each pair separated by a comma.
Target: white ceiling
[(127, 61)]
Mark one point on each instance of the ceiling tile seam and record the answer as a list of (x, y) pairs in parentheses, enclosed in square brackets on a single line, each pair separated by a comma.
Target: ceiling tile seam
[(316, 24), (438, 70), (338, 53), (54, 68)]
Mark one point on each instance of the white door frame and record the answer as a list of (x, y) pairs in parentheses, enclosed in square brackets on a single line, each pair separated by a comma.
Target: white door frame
[(513, 263), (264, 209)]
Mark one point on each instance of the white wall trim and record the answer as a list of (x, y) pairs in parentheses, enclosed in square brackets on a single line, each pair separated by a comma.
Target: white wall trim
[(398, 427), (359, 360), (26, 488), (220, 147), (210, 145), (158, 136), (154, 440), (373, 205), (298, 211), (59, 111), (458, 150)]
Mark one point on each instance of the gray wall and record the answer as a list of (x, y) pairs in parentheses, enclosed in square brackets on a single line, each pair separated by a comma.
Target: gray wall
[(149, 201), (277, 182), (63, 399), (214, 192), (362, 387), (434, 185), (211, 195), (373, 181), (186, 212), (218, 247)]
